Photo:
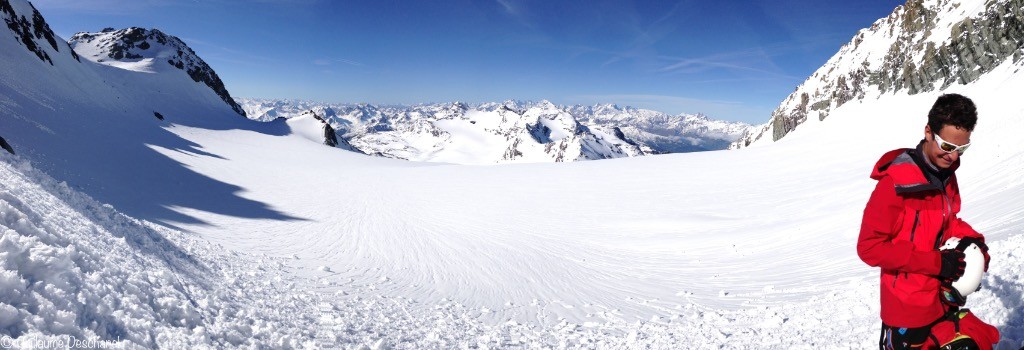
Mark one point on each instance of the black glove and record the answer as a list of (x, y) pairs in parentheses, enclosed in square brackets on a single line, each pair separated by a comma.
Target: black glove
[(953, 265), (967, 241)]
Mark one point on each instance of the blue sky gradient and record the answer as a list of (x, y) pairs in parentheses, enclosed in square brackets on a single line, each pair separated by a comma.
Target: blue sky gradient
[(732, 60)]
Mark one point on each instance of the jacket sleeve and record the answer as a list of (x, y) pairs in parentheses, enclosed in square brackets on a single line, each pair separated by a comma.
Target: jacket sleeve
[(876, 246), (961, 229)]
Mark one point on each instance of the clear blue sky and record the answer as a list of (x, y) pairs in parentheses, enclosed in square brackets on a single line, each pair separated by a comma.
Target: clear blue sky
[(733, 60)]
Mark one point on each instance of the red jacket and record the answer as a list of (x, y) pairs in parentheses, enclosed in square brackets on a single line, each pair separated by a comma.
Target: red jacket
[(907, 218)]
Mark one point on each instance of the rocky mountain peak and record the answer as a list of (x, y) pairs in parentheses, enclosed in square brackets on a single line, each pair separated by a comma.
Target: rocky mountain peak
[(922, 46), (135, 44), (28, 25)]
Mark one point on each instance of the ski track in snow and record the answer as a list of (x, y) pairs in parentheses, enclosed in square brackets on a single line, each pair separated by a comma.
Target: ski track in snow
[(266, 301)]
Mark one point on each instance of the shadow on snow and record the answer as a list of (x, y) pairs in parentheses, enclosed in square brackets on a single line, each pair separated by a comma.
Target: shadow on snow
[(113, 159)]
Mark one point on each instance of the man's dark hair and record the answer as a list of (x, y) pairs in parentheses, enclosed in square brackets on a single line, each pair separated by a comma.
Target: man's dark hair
[(952, 109)]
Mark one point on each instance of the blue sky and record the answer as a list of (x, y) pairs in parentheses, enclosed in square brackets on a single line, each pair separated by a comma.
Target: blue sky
[(732, 60)]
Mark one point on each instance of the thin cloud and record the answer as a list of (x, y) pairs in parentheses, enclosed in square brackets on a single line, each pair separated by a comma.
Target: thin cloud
[(656, 98), (134, 7), (226, 54), (748, 60), (290, 2), (108, 7), (328, 62), (646, 35), (755, 60), (509, 7), (671, 13), (692, 65), (517, 12)]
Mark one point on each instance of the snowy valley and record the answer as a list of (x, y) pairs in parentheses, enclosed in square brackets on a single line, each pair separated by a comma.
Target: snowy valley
[(144, 209)]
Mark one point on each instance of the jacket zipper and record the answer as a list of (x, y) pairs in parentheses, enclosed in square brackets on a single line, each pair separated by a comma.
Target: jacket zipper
[(945, 208), (913, 230)]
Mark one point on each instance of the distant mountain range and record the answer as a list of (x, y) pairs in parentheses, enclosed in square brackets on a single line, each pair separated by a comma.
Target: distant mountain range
[(508, 132)]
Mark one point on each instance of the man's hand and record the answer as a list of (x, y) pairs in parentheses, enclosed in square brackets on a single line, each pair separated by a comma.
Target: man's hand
[(967, 241), (953, 265)]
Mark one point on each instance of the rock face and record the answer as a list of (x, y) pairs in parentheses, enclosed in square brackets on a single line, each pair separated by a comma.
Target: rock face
[(33, 32), (923, 46), (507, 132), (330, 135), (133, 44), (313, 126), (7, 147)]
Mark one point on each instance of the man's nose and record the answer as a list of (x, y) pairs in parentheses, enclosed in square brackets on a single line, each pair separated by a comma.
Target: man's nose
[(953, 156)]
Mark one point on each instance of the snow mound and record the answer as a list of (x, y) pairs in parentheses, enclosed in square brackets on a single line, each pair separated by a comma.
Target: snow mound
[(72, 267)]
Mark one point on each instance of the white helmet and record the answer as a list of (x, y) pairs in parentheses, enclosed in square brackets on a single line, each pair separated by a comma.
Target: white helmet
[(975, 269)]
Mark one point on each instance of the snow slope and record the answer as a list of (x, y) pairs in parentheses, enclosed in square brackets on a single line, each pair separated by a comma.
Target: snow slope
[(753, 248), (95, 126)]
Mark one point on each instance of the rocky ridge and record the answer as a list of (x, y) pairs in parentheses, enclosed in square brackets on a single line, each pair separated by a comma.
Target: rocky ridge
[(922, 46), (134, 44), (31, 31)]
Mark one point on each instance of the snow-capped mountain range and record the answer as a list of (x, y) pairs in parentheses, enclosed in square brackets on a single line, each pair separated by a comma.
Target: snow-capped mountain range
[(923, 46), (512, 131)]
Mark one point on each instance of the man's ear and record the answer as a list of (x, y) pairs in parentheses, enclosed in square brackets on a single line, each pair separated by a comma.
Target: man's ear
[(927, 130)]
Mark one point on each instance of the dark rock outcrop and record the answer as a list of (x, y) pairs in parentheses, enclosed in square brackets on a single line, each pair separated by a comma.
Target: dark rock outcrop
[(6, 146), (622, 136), (330, 136), (28, 31)]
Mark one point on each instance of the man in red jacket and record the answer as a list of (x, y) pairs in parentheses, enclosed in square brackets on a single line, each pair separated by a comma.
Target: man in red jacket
[(912, 211)]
